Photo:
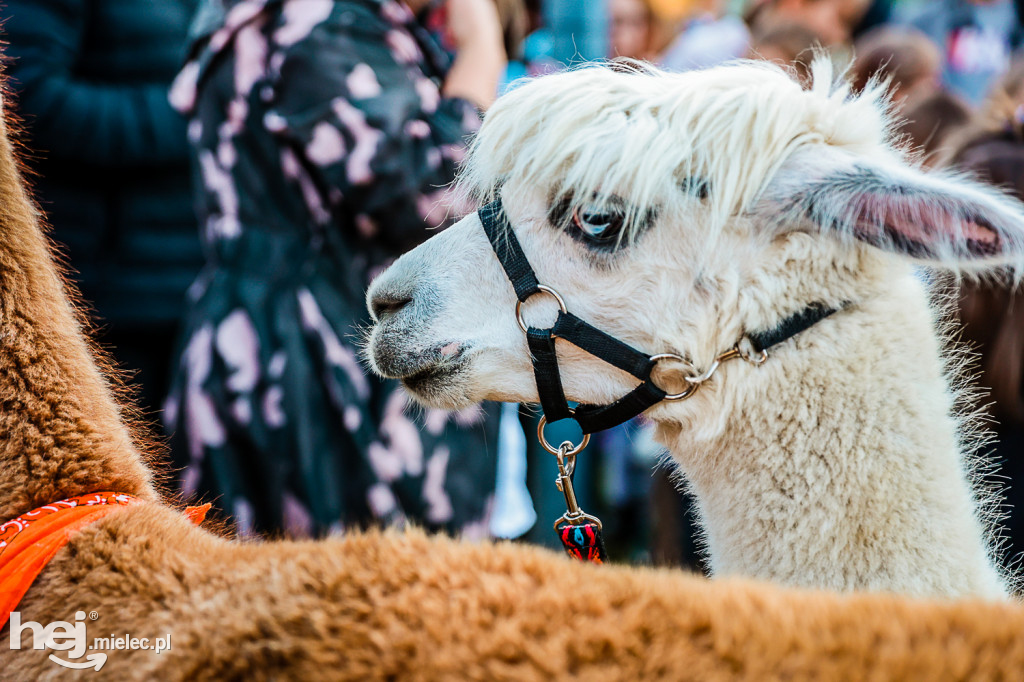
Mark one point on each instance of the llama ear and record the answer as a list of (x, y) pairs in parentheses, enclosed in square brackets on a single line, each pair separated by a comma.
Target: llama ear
[(942, 217)]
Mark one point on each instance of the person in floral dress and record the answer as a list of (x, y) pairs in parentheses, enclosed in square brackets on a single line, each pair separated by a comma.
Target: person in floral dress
[(323, 133)]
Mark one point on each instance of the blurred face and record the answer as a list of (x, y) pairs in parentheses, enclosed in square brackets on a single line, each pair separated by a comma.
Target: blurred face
[(832, 20), (908, 94), (629, 26), (771, 53)]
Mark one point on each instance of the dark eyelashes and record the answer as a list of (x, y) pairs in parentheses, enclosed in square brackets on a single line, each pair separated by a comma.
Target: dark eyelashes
[(698, 187), (560, 208), (601, 223), (560, 212)]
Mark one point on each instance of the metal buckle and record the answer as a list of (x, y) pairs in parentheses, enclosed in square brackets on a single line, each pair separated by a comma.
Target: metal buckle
[(573, 515), (579, 520), (541, 289), (555, 451), (743, 349), (689, 391)]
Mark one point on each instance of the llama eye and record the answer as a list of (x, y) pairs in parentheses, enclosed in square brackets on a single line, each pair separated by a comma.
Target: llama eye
[(600, 226)]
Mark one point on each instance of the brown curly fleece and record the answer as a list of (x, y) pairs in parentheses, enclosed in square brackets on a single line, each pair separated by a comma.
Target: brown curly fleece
[(389, 605)]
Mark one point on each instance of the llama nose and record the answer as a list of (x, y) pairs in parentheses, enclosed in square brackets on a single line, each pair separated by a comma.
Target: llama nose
[(385, 303)]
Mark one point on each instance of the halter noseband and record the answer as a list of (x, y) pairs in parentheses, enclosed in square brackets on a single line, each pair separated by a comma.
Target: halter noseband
[(591, 418)]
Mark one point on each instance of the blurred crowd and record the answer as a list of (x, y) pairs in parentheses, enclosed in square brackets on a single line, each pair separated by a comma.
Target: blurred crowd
[(224, 178)]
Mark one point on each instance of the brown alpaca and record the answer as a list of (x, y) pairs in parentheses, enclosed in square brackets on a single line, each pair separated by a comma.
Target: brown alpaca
[(387, 605)]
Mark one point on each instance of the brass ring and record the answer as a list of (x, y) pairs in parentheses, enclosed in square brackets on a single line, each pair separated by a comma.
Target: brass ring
[(755, 360), (541, 289), (689, 391), (555, 451)]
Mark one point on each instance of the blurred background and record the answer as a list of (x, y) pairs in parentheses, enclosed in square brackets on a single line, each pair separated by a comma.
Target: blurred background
[(223, 179)]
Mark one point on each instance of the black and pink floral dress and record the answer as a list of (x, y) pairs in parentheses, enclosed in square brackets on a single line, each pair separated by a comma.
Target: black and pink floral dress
[(322, 145)]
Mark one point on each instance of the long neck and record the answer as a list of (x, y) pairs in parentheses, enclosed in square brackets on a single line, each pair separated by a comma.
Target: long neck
[(839, 466), (60, 429)]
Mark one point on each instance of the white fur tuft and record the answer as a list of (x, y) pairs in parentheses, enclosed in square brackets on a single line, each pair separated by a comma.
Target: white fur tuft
[(643, 132)]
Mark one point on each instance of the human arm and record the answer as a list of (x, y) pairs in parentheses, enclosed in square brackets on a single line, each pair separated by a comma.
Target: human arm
[(72, 117), (480, 58)]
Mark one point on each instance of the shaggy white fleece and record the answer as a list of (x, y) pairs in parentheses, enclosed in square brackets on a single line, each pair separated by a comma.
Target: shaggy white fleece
[(842, 461)]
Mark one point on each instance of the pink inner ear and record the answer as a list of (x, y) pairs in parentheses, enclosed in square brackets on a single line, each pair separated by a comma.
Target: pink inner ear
[(979, 233), (919, 237)]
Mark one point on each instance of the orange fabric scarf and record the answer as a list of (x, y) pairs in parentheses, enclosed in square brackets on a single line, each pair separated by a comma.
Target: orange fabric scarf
[(28, 542)]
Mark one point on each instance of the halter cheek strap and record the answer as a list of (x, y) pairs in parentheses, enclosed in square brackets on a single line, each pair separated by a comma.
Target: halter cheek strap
[(571, 328), (567, 326), (581, 533)]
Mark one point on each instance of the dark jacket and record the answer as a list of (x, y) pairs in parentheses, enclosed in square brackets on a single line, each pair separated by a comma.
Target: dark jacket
[(90, 80)]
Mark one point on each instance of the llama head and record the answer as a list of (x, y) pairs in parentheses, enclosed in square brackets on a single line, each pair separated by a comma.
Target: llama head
[(676, 212)]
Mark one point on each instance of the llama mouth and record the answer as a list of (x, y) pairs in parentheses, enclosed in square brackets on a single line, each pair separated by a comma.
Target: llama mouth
[(429, 380), (417, 368), (440, 385)]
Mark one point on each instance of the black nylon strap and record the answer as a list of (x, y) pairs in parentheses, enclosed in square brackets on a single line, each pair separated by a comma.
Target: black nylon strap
[(593, 418), (791, 326), (508, 250), (545, 371), (602, 345)]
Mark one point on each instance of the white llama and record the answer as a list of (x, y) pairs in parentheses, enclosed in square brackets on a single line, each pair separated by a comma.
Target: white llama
[(682, 212)]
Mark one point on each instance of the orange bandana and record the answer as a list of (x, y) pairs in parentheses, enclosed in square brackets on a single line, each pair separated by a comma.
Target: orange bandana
[(28, 542)]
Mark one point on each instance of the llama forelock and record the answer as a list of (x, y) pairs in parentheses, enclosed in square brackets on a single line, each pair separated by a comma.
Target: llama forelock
[(656, 138)]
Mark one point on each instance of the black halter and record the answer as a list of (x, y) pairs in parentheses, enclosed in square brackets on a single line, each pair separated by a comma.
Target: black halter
[(567, 326)]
